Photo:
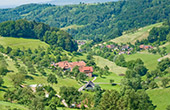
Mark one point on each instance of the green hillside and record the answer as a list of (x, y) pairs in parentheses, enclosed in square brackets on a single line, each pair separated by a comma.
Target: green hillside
[(160, 97), (139, 34), (22, 43), (90, 21)]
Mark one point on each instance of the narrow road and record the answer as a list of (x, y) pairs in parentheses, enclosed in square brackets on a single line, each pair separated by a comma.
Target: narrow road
[(63, 101), (94, 79), (106, 83)]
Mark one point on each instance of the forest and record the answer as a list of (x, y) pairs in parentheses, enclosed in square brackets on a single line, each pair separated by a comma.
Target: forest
[(90, 21), (34, 30)]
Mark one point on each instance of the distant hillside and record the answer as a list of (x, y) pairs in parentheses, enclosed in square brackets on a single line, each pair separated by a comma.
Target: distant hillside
[(102, 20), (134, 35)]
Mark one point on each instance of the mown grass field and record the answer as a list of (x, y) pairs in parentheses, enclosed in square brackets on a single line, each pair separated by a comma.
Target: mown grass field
[(160, 97), (22, 43), (150, 60), (140, 34), (101, 62)]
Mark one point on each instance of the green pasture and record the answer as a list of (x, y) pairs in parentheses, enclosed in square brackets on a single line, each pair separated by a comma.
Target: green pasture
[(160, 97), (22, 43)]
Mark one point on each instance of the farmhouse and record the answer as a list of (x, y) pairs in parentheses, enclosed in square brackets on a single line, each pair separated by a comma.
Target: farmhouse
[(65, 65), (88, 70)]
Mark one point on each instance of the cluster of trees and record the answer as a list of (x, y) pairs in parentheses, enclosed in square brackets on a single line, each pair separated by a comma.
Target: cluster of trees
[(158, 34), (102, 20), (34, 100), (31, 29), (3, 68)]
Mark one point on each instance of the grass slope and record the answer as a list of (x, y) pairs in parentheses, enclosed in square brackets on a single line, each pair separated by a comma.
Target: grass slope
[(101, 62), (150, 60), (160, 97), (8, 105), (140, 34), (22, 43)]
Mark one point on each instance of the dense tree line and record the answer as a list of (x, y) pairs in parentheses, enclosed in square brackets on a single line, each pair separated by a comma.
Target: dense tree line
[(158, 34), (102, 20), (31, 29)]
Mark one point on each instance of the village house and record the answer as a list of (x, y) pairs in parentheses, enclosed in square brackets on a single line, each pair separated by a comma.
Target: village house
[(145, 47), (110, 46), (126, 47), (65, 65), (81, 42)]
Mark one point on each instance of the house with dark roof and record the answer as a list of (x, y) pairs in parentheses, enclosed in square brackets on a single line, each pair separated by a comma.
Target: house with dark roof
[(89, 86)]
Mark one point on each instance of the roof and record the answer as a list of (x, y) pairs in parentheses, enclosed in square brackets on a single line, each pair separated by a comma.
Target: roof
[(62, 64), (71, 65), (90, 83), (110, 46), (145, 46), (85, 69), (79, 63)]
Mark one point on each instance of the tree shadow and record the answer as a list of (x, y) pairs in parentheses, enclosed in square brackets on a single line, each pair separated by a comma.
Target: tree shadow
[(95, 75), (103, 77), (29, 77), (113, 84), (4, 86), (35, 74), (3, 90)]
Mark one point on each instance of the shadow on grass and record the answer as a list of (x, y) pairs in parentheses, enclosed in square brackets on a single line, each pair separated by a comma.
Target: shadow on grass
[(103, 77), (4, 86), (29, 77), (113, 84), (35, 74), (3, 90), (94, 75)]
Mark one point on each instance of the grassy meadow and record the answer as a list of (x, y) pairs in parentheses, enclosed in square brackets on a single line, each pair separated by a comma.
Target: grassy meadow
[(150, 60), (101, 62), (22, 43), (160, 97)]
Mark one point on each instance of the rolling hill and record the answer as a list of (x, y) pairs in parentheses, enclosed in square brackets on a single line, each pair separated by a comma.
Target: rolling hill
[(139, 34)]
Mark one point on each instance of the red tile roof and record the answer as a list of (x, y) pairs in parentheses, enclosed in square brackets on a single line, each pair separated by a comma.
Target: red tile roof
[(71, 65), (86, 69)]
